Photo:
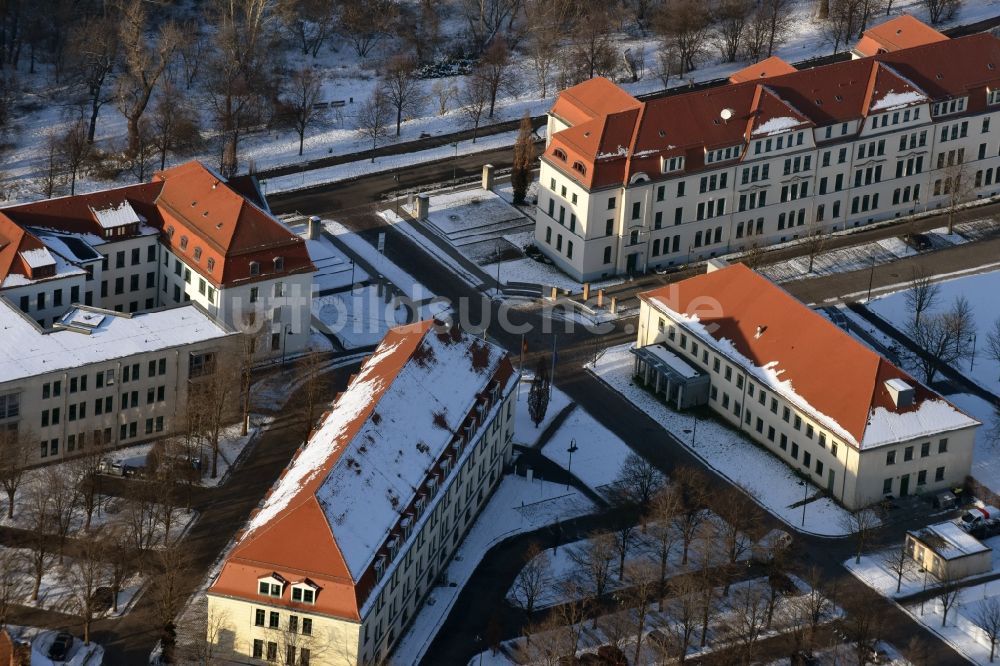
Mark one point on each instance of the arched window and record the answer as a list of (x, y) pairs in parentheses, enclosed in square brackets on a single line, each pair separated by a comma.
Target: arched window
[(578, 166), (279, 264), (560, 153), (633, 238), (184, 242)]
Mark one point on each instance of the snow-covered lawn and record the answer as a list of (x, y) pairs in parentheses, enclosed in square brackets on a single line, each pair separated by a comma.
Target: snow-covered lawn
[(560, 564), (855, 257), (334, 269), (525, 431), (526, 269), (961, 631), (471, 214), (658, 626), (431, 248), (599, 453), (981, 292), (768, 480), (397, 276), (361, 317), (986, 456), (517, 506)]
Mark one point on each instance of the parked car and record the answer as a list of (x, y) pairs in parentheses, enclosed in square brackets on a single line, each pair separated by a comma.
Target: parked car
[(978, 517), (60, 647), (919, 242), (840, 319)]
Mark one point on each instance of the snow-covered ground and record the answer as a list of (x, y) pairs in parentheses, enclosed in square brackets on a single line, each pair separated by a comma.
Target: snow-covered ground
[(361, 317), (525, 431), (875, 572), (961, 631), (560, 564), (517, 506), (369, 253), (986, 456), (981, 292), (350, 79), (599, 453), (78, 654), (768, 480), (855, 257), (334, 269)]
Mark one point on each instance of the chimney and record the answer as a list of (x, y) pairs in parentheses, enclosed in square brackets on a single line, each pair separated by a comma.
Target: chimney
[(902, 393), (315, 228), (423, 206), (760, 332), (487, 182)]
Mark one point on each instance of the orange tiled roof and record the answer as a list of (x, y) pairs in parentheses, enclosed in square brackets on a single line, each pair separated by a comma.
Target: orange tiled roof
[(836, 375), (773, 66), (902, 32)]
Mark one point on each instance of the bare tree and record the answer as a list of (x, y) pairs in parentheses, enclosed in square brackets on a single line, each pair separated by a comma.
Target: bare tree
[(38, 522), (494, 70), (948, 596), (749, 617), (638, 480), (145, 60), (309, 23), (739, 516), (573, 611), (644, 590), (191, 52), (444, 93), (941, 11), (592, 51), (173, 124), (94, 48), (899, 562), (945, 337), (664, 506), (543, 19), (140, 517), (862, 523), (488, 19), (922, 294), (85, 474), (987, 618), (623, 536), (732, 17), (11, 583), (685, 25), (373, 118), (533, 578), (311, 370), (143, 155), (593, 561), (546, 642), (473, 99), (63, 501), (303, 89), (863, 627), (74, 149), (173, 566), (402, 88), (117, 545), (684, 608), (85, 573), (15, 454), (366, 22), (690, 484)]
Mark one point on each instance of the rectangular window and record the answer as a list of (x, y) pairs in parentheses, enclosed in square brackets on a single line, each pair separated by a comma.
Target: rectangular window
[(887, 487), (943, 446), (890, 458), (259, 617), (939, 474), (274, 620), (908, 453), (258, 649), (925, 449), (922, 477)]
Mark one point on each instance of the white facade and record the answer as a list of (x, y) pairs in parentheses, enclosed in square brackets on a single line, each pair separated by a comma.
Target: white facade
[(102, 379), (804, 440), (786, 186)]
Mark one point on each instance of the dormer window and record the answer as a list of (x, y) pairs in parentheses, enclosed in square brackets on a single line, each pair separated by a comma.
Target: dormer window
[(304, 592), (184, 242), (197, 254), (560, 153), (211, 264), (271, 586), (170, 232), (279, 264), (578, 166), (993, 97), (254, 268), (668, 164)]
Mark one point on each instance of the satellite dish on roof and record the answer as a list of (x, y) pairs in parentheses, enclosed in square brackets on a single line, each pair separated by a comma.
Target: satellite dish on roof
[(726, 114)]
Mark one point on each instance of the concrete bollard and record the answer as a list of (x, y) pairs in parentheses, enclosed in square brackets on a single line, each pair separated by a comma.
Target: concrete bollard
[(614, 305), (555, 293), (423, 206), (600, 298), (586, 292), (487, 181)]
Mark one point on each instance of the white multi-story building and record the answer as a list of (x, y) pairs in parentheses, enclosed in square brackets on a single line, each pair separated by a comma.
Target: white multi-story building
[(346, 546), (773, 155), (839, 414), (187, 236), (102, 379)]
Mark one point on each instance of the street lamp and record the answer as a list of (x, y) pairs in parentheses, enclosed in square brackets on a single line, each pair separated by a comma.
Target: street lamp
[(972, 361), (395, 177), (573, 448), (871, 278), (693, 430), (805, 497), (454, 165)]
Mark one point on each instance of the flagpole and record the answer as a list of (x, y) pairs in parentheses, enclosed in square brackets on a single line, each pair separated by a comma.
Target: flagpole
[(555, 354)]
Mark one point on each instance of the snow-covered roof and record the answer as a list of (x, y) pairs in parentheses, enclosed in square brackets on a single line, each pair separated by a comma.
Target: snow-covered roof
[(116, 216), (893, 100), (777, 125), (950, 541), (675, 362), (361, 470), (38, 258), (802, 356), (27, 351)]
